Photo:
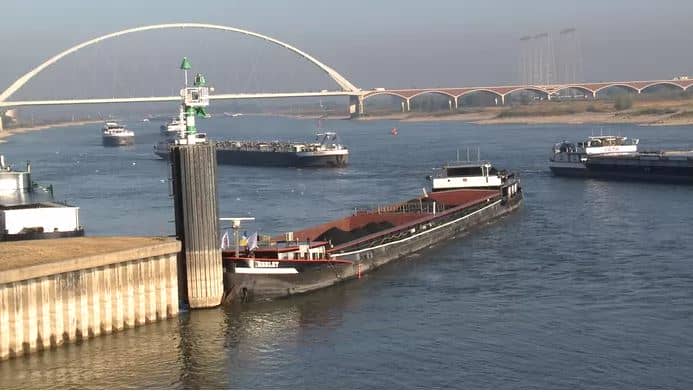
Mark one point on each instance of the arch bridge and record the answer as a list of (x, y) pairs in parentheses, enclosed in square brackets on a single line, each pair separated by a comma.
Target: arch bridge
[(357, 96), (346, 87)]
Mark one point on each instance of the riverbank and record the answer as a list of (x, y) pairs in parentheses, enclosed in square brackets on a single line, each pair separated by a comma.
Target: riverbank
[(7, 132), (646, 112)]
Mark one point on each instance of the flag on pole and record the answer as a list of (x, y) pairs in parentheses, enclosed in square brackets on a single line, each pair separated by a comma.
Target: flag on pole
[(225, 241), (252, 241)]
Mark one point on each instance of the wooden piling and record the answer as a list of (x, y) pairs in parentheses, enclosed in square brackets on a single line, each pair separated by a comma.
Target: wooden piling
[(197, 224)]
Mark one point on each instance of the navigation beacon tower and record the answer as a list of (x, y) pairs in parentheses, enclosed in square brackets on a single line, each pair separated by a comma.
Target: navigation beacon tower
[(194, 100)]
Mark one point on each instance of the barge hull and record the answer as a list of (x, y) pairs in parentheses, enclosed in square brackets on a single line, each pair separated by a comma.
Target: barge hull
[(570, 172), (265, 287), (643, 169), (271, 158), (118, 141)]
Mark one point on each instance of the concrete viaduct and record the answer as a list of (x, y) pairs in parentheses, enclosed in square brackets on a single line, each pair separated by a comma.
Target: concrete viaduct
[(455, 93)]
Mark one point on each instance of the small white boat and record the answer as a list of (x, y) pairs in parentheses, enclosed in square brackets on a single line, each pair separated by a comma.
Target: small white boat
[(114, 135)]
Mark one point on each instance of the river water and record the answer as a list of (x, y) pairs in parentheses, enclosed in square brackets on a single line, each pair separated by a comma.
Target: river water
[(589, 285)]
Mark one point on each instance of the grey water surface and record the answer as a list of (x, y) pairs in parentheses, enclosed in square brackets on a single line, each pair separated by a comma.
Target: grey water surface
[(589, 285)]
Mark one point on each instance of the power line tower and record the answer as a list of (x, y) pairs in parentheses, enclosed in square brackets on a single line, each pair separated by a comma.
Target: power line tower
[(570, 56), (545, 59), (525, 64)]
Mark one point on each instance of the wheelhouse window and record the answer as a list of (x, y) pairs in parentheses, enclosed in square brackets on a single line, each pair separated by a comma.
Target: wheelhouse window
[(464, 171)]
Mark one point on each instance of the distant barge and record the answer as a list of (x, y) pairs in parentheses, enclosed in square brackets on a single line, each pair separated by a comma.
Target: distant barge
[(325, 152), (617, 157), (464, 195)]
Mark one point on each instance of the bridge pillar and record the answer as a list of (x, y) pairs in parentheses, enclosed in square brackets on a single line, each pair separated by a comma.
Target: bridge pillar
[(1, 129), (356, 106), (408, 105)]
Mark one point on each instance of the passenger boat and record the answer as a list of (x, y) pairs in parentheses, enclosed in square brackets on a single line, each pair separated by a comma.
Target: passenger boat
[(617, 157), (173, 127), (28, 211), (464, 195), (114, 135)]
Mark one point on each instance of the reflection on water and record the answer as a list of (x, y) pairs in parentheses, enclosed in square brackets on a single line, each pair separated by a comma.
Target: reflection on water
[(589, 285)]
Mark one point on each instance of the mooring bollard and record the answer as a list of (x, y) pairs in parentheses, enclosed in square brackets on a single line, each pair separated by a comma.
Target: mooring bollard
[(200, 277)]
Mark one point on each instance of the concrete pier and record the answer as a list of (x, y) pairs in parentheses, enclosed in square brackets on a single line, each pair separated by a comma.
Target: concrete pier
[(194, 173), (49, 296)]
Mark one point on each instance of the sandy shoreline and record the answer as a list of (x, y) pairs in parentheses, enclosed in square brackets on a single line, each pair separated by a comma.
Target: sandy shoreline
[(492, 117), (17, 131), (482, 117), (489, 118)]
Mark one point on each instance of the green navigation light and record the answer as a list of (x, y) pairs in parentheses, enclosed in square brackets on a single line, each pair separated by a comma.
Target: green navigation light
[(185, 64), (200, 80)]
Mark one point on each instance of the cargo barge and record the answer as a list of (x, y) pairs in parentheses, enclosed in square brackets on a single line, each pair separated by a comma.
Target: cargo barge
[(326, 151), (464, 195), (617, 157)]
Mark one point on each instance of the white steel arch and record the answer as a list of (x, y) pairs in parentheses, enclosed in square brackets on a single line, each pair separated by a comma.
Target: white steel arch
[(339, 79)]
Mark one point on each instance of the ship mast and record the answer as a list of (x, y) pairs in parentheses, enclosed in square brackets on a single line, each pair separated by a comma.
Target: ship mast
[(194, 100)]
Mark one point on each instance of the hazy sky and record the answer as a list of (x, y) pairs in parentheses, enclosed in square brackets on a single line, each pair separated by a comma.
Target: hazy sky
[(373, 43)]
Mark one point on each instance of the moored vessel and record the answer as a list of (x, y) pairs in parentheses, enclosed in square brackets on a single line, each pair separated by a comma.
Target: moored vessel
[(114, 135), (28, 211), (320, 256), (617, 157)]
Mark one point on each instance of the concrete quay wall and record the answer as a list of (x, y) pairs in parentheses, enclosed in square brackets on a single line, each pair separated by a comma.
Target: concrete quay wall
[(113, 284)]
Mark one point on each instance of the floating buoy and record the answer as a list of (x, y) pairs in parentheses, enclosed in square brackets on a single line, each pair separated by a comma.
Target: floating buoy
[(394, 131)]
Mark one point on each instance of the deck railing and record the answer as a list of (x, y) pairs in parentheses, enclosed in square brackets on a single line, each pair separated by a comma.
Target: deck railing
[(421, 207)]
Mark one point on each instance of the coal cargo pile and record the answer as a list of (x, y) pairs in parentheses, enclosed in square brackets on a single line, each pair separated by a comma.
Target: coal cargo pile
[(337, 236)]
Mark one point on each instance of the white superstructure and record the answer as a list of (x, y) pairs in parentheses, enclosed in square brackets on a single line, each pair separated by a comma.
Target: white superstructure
[(173, 127), (567, 155), (44, 217), (12, 181), (113, 129), (457, 175), (27, 210)]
